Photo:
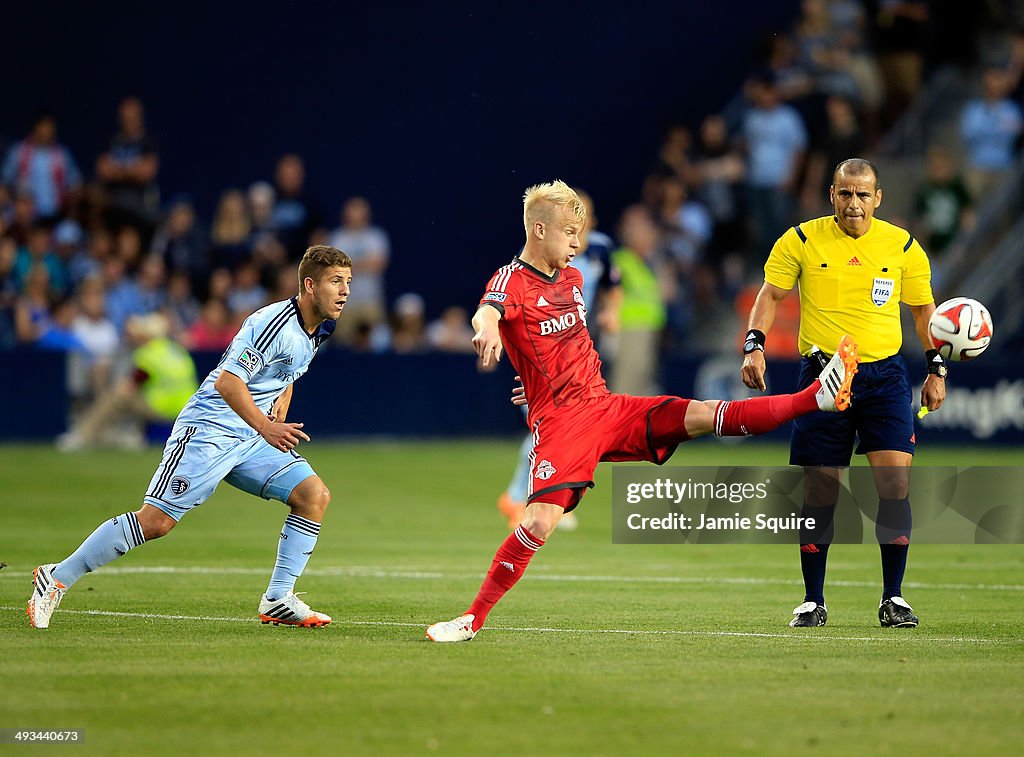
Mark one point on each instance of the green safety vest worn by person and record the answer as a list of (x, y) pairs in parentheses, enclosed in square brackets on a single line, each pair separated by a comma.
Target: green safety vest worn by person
[(642, 307), (169, 376)]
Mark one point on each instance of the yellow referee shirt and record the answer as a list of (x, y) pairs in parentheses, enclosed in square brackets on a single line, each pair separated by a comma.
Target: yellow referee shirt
[(851, 286)]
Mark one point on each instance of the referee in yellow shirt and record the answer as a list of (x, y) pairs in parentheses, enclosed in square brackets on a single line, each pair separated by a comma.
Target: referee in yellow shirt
[(853, 270)]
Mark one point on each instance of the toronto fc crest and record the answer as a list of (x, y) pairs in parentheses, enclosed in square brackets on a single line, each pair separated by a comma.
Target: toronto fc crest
[(545, 470)]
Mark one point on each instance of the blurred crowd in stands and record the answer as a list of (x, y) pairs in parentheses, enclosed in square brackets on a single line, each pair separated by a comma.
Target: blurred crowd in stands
[(722, 191), (84, 246)]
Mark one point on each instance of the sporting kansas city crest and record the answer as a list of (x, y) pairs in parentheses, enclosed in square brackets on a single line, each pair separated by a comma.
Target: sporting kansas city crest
[(179, 485), (881, 291)]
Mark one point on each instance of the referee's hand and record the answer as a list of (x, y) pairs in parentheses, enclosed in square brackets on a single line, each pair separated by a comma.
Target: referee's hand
[(752, 371), (933, 392)]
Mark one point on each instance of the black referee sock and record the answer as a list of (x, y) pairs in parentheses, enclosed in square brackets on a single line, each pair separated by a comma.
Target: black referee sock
[(814, 544), (892, 529)]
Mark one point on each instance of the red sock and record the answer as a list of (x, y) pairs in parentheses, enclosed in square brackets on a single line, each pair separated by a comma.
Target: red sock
[(759, 415), (508, 567)]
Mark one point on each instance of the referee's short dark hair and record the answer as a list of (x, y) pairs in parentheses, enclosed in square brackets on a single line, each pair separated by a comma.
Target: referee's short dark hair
[(856, 167)]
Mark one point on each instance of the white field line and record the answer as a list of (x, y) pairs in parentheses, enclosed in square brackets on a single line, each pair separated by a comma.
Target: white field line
[(357, 571), (888, 637)]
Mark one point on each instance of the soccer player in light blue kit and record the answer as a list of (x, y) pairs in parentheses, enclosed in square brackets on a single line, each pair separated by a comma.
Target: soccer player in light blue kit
[(600, 278), (233, 429)]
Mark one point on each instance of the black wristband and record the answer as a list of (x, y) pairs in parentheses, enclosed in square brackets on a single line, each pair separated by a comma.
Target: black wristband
[(754, 340), (936, 363)]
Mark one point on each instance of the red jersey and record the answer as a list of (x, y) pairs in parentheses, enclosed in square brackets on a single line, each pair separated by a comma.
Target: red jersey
[(544, 332)]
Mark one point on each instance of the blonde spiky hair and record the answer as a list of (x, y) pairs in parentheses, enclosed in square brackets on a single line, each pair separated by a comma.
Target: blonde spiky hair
[(540, 201)]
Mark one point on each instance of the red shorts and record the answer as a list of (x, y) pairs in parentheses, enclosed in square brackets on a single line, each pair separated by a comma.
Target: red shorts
[(569, 442)]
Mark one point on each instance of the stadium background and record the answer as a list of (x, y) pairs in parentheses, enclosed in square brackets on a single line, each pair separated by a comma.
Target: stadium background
[(440, 116)]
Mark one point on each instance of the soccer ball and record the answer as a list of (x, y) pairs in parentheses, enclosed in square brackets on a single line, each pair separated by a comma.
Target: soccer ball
[(960, 328)]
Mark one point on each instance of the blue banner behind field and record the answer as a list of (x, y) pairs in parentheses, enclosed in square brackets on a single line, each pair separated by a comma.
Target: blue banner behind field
[(441, 395), (343, 394)]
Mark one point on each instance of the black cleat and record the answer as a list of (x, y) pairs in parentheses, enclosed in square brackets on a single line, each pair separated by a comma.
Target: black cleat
[(809, 615), (896, 613)]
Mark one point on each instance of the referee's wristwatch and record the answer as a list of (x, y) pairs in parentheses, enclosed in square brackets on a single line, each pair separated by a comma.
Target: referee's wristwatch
[(936, 364), (753, 341)]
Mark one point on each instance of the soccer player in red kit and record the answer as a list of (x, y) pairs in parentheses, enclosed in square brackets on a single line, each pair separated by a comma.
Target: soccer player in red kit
[(533, 309)]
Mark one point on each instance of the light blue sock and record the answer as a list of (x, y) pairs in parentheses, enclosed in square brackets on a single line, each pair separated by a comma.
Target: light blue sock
[(298, 537), (520, 482), (111, 540)]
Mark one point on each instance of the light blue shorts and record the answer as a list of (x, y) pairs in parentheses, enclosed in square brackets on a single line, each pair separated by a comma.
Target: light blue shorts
[(197, 458)]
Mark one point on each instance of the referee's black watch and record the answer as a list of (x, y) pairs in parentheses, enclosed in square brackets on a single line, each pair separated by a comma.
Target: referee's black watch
[(936, 364), (753, 341)]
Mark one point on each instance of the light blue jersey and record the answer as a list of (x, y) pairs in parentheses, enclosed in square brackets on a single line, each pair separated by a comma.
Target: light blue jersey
[(595, 265), (210, 443), (270, 351)]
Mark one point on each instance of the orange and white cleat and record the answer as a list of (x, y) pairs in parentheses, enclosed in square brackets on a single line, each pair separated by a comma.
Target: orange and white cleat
[(47, 593), (289, 610), (836, 377), (512, 510)]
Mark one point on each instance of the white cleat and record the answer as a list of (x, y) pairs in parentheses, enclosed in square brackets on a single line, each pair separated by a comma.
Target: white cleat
[(289, 610), (46, 596), (837, 377), (459, 629)]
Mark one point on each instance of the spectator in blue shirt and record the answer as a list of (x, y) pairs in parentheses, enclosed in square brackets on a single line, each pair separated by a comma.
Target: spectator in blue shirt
[(38, 250), (124, 299), (776, 140), (43, 167), (989, 127)]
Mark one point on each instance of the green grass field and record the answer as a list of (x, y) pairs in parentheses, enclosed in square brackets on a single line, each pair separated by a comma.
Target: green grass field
[(601, 649)]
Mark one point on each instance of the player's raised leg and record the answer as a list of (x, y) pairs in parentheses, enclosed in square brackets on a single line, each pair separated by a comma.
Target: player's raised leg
[(111, 539), (830, 392), (279, 605)]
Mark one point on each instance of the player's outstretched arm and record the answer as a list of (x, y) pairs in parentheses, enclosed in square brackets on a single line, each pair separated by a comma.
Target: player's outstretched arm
[(487, 340), (762, 316), (283, 436)]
